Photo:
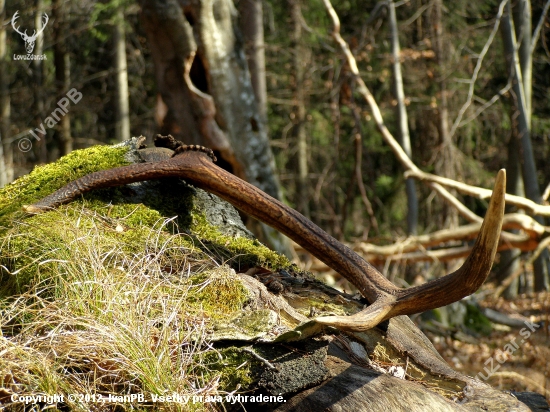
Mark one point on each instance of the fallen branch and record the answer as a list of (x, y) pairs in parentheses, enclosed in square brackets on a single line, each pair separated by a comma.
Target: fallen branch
[(479, 192)]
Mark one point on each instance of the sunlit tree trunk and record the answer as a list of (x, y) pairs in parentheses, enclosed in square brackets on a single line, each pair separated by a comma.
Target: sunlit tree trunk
[(404, 136), (122, 129)]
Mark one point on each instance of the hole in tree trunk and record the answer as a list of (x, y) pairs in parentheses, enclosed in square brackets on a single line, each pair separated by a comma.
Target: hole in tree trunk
[(198, 74), (189, 16)]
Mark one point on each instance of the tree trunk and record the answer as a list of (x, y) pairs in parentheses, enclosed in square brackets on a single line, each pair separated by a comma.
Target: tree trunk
[(62, 77), (252, 27), (514, 185), (402, 119), (6, 153), (299, 61), (521, 107), (446, 164), (205, 92), (122, 129), (41, 148)]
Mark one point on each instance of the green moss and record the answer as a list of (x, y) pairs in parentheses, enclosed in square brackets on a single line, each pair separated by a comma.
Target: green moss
[(217, 293), (240, 250), (44, 180), (120, 214), (233, 365)]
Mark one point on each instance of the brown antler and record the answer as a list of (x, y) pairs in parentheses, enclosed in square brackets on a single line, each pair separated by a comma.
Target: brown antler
[(386, 299)]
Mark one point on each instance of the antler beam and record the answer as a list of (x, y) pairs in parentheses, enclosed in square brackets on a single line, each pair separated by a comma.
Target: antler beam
[(195, 165)]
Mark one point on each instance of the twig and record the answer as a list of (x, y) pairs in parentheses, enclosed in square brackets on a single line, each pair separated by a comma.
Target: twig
[(504, 284), (536, 33), (480, 58)]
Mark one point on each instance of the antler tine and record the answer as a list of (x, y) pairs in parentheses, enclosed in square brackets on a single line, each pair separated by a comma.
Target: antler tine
[(443, 291), (471, 275), (13, 19), (46, 20)]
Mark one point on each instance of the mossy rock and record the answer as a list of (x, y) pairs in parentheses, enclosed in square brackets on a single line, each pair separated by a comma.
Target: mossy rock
[(125, 215)]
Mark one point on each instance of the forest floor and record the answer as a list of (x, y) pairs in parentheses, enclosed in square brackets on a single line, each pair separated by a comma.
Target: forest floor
[(516, 359)]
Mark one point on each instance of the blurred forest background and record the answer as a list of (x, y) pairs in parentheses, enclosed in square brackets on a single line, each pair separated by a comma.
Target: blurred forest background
[(456, 86), (469, 97)]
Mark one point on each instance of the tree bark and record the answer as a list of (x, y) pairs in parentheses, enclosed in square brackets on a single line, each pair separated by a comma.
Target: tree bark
[(252, 27), (62, 77), (122, 129), (402, 119), (205, 92)]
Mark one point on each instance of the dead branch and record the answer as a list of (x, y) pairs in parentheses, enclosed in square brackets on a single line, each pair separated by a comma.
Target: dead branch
[(479, 192)]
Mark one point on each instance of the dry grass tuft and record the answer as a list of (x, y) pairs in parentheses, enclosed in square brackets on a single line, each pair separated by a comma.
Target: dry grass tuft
[(105, 322)]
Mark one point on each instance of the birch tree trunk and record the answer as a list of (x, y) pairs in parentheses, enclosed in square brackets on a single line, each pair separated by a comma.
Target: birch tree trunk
[(403, 135)]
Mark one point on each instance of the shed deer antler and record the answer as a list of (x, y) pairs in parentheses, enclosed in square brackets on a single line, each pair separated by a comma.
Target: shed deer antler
[(29, 40), (193, 164)]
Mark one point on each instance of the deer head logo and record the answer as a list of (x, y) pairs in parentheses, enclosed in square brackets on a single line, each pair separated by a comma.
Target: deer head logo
[(29, 40)]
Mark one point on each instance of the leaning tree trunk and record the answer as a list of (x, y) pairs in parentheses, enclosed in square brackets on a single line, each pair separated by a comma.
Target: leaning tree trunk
[(205, 94)]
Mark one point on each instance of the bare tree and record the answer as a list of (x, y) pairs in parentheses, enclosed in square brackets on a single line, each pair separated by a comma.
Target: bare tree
[(446, 164)]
